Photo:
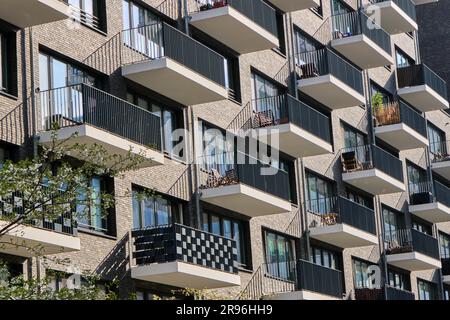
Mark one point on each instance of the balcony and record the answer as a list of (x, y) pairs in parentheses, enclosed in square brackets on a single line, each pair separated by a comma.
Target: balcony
[(355, 38), (433, 209), (236, 182), (440, 158), (419, 2), (290, 6), (396, 16), (243, 25), (393, 293), (388, 293), (372, 169), (329, 79), (412, 250), (446, 270), (400, 126), (341, 222), (308, 282), (35, 237), (183, 257), (28, 13), (422, 88), (86, 115), (167, 61), (300, 130)]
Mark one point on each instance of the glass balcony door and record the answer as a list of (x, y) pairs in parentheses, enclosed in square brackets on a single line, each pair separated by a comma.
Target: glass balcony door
[(280, 256)]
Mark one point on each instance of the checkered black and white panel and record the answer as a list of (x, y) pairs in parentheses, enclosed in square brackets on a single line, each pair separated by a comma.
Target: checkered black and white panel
[(205, 249)]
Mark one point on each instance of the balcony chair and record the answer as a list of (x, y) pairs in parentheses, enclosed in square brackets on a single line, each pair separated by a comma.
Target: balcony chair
[(309, 70), (350, 162), (263, 119)]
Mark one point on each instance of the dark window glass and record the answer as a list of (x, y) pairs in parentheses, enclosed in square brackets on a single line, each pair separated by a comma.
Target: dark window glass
[(402, 59), (90, 213), (357, 197), (320, 194), (399, 280), (422, 227), (280, 256), (444, 241), (417, 179), (323, 257), (361, 274), (436, 136), (393, 222), (427, 290)]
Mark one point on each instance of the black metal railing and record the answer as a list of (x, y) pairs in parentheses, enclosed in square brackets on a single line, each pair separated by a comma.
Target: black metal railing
[(420, 74), (369, 293), (287, 109), (256, 10), (160, 40), (409, 240), (323, 62), (319, 279), (367, 157), (81, 103), (421, 193), (393, 293), (408, 6), (178, 242), (399, 112), (230, 168), (337, 210), (439, 151), (85, 17), (356, 23), (445, 266)]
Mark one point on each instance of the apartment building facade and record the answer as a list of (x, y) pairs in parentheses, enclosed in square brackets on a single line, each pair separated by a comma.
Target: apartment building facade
[(359, 205)]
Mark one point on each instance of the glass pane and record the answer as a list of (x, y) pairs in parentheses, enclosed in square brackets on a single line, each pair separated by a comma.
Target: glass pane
[(162, 212), (149, 213), (215, 225), (137, 223), (227, 229)]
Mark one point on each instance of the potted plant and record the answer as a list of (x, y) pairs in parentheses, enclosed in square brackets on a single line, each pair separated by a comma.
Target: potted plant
[(377, 102)]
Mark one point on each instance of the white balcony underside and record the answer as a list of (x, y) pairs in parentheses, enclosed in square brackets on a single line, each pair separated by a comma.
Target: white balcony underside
[(442, 168), (185, 275), (113, 144), (234, 30), (28, 241), (374, 181), (300, 295), (295, 141), (175, 81), (362, 51), (27, 13), (246, 200), (294, 5), (393, 19), (419, 2), (446, 279), (423, 98), (401, 136), (433, 212), (331, 92), (413, 261), (343, 236)]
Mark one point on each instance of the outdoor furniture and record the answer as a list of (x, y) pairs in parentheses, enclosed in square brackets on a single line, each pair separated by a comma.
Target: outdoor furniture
[(309, 71), (350, 162), (264, 119)]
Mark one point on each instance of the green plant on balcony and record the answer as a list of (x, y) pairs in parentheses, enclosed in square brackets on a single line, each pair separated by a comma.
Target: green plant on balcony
[(377, 110)]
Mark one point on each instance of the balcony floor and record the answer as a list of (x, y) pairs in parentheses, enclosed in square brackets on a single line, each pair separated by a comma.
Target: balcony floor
[(27, 13), (433, 212), (442, 168), (423, 98), (362, 51), (393, 19), (343, 236), (28, 241), (185, 275), (90, 135), (246, 200), (175, 81), (290, 5), (401, 136), (413, 261), (235, 30), (300, 295), (374, 181), (296, 141), (331, 92)]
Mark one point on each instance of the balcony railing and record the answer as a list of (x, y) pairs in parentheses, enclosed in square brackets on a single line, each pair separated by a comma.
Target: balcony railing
[(256, 10), (368, 157), (13, 206), (356, 23), (392, 293), (408, 6), (336, 210), (445, 266), (85, 17), (410, 240), (160, 40), (398, 294), (283, 109), (83, 104), (420, 74), (229, 168), (181, 243), (421, 193), (399, 112), (440, 151), (323, 62), (319, 279)]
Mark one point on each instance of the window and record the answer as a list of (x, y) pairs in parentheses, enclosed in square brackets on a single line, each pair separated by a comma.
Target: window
[(393, 222), (361, 274), (3, 63), (446, 293), (280, 256), (427, 290), (366, 201), (8, 62), (444, 241), (402, 59), (399, 280), (422, 227), (320, 194), (229, 228), (319, 9), (170, 121), (353, 137), (437, 138), (218, 154), (417, 180), (152, 211), (88, 12), (262, 89), (338, 7), (325, 258), (304, 43), (90, 213)]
